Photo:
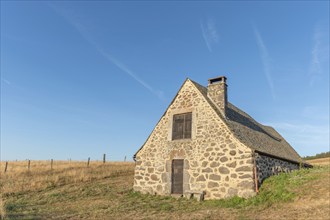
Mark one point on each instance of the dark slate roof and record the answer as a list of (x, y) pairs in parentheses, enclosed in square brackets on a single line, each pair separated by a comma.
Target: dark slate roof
[(263, 139)]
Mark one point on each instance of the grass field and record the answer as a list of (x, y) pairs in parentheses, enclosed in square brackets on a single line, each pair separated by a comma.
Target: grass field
[(104, 191), (320, 161)]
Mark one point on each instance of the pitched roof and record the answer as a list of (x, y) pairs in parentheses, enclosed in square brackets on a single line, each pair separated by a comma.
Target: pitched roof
[(254, 135)]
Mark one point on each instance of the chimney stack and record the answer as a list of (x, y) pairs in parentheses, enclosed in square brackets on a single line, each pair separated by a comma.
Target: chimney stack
[(217, 91)]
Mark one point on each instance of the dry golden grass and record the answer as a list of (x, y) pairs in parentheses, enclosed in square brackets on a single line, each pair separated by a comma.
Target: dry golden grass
[(2, 208), (19, 178), (104, 191), (320, 161)]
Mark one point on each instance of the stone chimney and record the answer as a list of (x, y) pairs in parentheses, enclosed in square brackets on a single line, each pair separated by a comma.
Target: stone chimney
[(217, 91)]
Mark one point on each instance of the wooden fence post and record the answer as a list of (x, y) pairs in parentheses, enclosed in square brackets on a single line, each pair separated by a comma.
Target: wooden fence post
[(6, 166), (103, 158), (51, 164), (29, 161), (88, 161)]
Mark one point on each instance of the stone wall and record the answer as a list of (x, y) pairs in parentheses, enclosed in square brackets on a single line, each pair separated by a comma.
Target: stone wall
[(214, 160), (268, 166)]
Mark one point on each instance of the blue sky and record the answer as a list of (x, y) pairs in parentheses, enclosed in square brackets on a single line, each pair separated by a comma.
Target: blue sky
[(83, 78)]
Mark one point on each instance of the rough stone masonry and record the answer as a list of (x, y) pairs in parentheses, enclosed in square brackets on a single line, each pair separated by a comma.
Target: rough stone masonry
[(216, 162)]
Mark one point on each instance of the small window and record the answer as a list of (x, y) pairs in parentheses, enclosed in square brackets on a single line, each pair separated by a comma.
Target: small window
[(181, 126)]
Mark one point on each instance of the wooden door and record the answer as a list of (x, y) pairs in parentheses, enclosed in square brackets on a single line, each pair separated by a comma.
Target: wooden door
[(177, 176)]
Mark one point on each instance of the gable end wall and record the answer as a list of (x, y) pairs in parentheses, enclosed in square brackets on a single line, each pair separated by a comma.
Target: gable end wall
[(214, 160)]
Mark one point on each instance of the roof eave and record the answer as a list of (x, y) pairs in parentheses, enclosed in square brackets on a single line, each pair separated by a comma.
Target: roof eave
[(281, 158)]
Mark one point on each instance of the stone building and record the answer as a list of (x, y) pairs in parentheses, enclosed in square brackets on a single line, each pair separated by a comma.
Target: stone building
[(205, 146)]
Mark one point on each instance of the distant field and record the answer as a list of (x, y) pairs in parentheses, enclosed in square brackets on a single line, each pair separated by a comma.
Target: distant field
[(41, 175), (320, 161), (104, 191)]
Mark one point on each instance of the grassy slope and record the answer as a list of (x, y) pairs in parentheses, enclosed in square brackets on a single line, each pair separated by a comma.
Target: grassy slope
[(319, 161), (318, 156), (300, 195)]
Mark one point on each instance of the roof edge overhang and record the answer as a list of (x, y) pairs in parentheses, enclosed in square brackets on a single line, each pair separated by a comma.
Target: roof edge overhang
[(281, 158)]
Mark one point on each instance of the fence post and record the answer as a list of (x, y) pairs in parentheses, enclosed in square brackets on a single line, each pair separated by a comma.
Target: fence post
[(103, 158), (88, 161), (29, 164), (51, 164), (6, 166)]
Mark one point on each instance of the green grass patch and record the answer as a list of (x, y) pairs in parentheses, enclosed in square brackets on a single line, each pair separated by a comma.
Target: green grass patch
[(275, 189)]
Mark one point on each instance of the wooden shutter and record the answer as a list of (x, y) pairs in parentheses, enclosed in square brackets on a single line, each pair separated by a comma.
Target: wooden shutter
[(177, 176), (187, 125), (178, 126), (181, 126)]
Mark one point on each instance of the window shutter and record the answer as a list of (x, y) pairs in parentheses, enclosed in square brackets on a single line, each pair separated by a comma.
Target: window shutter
[(187, 125), (182, 126), (178, 126)]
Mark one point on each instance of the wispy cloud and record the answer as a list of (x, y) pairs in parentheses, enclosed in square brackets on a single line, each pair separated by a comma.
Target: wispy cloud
[(266, 60), (72, 18), (307, 139), (6, 81), (302, 128), (210, 34), (320, 113), (319, 53), (315, 63), (125, 69)]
